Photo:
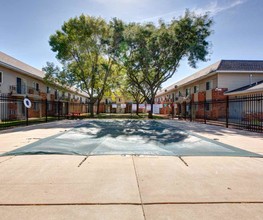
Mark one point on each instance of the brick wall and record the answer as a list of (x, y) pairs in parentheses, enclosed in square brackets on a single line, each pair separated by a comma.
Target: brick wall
[(201, 96), (219, 95)]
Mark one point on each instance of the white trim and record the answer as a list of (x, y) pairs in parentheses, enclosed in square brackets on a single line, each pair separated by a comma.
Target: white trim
[(244, 92), (238, 71)]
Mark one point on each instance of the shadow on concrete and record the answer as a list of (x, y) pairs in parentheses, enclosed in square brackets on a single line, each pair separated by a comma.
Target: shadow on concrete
[(149, 130)]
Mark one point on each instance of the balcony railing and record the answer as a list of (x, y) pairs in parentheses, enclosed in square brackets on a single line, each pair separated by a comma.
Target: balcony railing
[(23, 90)]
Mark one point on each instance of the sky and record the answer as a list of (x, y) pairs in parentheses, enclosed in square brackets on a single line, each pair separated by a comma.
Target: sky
[(25, 26)]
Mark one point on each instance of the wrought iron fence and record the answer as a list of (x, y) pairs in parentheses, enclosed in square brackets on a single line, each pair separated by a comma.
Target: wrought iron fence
[(244, 112), (13, 112)]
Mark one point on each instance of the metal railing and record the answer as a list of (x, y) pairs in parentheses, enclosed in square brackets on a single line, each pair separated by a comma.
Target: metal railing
[(244, 112), (13, 112), (23, 90)]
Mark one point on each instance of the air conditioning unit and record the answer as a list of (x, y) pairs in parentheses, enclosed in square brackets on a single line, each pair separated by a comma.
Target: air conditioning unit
[(13, 88)]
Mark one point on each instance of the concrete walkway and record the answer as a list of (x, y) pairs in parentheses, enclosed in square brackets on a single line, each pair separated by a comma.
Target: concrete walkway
[(130, 187)]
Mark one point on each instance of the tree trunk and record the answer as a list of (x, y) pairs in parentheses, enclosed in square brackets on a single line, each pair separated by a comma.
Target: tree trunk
[(91, 110), (98, 107), (137, 108), (150, 114)]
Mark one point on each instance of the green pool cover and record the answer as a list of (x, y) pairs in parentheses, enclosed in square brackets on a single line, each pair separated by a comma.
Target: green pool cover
[(130, 137)]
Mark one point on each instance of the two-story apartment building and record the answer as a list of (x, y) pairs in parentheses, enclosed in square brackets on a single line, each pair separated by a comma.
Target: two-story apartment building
[(19, 80), (209, 86)]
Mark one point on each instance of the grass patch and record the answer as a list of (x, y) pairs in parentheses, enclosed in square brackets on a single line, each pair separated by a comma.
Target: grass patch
[(15, 123)]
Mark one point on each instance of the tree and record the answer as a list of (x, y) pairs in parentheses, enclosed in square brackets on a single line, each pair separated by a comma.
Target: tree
[(110, 85), (130, 88), (86, 47), (153, 53)]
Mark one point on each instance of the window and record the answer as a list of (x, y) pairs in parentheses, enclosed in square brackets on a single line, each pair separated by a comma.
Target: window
[(180, 94), (48, 90), (21, 86), (56, 94), (207, 106), (36, 106), (35, 86), (187, 92), (1, 77), (80, 99), (208, 85), (196, 89)]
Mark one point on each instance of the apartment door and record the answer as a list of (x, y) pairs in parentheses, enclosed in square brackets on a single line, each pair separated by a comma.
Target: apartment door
[(20, 86)]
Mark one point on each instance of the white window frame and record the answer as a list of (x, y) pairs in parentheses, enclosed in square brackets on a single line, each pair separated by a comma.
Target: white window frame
[(187, 90), (196, 89), (209, 85), (34, 85)]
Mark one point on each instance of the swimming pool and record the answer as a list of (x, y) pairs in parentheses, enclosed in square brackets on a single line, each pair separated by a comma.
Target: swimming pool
[(130, 137)]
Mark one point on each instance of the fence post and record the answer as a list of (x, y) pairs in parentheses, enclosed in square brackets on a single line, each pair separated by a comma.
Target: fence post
[(227, 110), (190, 110), (26, 116), (58, 109), (204, 110), (46, 109)]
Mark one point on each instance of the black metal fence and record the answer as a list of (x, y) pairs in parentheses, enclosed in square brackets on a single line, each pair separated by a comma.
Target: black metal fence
[(244, 112), (13, 111)]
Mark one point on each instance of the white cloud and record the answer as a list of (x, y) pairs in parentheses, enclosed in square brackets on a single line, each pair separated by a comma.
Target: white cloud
[(172, 14), (215, 8), (120, 2)]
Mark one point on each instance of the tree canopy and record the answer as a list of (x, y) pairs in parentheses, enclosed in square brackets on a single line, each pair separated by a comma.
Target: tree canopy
[(86, 47), (153, 53), (91, 49)]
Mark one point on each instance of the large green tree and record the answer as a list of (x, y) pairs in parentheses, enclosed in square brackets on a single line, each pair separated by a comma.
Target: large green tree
[(153, 53), (86, 48)]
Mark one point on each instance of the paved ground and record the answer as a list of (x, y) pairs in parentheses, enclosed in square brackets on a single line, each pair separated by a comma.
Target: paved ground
[(131, 187)]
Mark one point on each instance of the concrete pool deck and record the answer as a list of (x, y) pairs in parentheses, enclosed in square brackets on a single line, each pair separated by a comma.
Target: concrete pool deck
[(131, 187)]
